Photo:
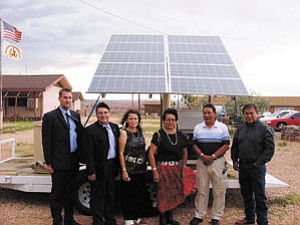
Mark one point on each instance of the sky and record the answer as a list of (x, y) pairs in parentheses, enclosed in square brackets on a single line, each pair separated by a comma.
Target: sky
[(69, 36)]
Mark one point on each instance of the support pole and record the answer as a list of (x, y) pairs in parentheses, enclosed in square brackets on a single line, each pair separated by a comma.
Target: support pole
[(1, 78)]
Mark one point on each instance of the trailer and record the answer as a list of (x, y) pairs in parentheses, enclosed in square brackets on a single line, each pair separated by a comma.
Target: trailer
[(28, 175)]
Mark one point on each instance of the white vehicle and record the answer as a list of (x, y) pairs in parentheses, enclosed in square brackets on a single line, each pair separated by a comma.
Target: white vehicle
[(277, 114)]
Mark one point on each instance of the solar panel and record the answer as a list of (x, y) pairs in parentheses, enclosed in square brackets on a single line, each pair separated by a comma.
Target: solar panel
[(180, 64), (140, 47), (201, 64)]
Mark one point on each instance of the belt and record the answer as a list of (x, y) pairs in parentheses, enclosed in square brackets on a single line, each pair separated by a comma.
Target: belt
[(134, 159), (170, 163)]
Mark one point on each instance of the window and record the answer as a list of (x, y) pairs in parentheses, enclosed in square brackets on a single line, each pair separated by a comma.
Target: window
[(21, 102)]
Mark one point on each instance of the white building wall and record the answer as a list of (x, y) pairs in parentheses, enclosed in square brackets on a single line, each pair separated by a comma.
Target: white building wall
[(50, 99), (76, 105)]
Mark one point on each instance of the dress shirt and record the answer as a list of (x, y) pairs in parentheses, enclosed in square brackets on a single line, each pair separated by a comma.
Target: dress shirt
[(72, 129), (112, 142)]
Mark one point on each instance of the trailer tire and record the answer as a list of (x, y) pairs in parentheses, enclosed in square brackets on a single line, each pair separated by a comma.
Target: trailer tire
[(82, 194)]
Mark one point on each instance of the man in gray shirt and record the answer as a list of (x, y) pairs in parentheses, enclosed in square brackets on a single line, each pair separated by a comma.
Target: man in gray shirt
[(253, 146)]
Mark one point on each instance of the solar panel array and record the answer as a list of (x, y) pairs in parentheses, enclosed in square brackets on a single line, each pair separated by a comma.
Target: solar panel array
[(202, 65), (166, 64)]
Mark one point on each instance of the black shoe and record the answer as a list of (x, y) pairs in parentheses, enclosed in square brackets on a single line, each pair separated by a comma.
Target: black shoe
[(71, 222), (244, 221), (170, 219), (57, 222), (196, 221), (214, 222), (162, 219)]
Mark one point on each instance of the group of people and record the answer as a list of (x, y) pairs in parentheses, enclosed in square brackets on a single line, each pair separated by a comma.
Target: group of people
[(106, 150)]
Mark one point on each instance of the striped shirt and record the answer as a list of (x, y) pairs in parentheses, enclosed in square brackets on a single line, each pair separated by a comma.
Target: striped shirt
[(209, 140)]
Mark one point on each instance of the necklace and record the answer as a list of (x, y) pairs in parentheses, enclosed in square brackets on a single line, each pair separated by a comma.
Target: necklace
[(137, 136), (170, 140)]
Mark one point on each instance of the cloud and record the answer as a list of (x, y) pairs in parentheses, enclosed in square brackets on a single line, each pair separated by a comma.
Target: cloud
[(67, 36)]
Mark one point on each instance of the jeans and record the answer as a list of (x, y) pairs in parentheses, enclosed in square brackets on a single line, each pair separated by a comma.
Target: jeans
[(252, 181)]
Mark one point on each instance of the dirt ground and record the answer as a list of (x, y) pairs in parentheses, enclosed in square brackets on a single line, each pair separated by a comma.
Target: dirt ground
[(18, 208)]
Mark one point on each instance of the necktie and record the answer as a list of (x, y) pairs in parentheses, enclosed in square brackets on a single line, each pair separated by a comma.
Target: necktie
[(111, 139), (68, 119)]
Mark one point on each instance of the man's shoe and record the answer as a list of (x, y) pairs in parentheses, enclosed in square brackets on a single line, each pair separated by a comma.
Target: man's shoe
[(196, 221), (57, 222), (244, 221), (71, 222), (214, 222)]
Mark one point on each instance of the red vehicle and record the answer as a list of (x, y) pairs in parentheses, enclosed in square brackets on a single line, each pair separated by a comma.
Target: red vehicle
[(289, 119)]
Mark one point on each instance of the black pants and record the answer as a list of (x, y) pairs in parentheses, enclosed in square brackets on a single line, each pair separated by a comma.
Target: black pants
[(102, 195), (252, 181), (62, 191), (135, 198)]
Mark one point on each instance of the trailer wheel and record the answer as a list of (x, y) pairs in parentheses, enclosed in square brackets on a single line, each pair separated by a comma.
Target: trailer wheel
[(82, 198)]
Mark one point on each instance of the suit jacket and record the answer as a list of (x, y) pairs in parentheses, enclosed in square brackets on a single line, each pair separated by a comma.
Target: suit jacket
[(96, 146), (56, 138)]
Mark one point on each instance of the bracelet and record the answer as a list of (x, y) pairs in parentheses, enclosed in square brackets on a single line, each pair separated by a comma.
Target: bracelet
[(213, 156), (124, 169), (184, 166), (154, 168), (201, 155)]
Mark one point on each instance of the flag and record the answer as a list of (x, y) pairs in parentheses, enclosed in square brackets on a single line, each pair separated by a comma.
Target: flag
[(11, 32), (12, 51)]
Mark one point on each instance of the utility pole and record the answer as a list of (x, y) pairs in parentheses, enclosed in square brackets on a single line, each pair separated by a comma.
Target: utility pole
[(1, 78)]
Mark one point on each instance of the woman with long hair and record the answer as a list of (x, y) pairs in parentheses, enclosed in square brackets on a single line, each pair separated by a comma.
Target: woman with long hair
[(133, 164)]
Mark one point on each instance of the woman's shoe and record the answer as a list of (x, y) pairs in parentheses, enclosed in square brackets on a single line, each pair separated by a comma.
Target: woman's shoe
[(140, 222)]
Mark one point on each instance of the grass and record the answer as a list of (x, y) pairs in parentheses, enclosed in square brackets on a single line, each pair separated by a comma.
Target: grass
[(13, 127), (24, 149), (282, 144), (289, 199)]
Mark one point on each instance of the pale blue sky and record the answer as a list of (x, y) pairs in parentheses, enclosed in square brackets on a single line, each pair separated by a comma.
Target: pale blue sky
[(68, 37)]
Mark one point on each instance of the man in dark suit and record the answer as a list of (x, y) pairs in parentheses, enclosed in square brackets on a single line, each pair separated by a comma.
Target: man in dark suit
[(62, 132), (101, 153)]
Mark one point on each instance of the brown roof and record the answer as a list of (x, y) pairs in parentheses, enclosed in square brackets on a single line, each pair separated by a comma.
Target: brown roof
[(77, 95), (33, 82)]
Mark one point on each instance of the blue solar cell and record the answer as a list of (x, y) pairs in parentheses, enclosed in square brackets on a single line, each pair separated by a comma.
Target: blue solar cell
[(155, 57), (193, 39), (136, 38), (199, 48), (130, 47), (196, 58), (198, 70), (208, 86), (123, 84), (140, 69)]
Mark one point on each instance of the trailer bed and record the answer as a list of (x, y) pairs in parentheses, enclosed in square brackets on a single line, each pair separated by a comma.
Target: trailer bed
[(17, 174)]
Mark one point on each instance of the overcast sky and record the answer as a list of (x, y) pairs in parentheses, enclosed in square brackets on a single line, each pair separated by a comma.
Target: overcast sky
[(68, 37)]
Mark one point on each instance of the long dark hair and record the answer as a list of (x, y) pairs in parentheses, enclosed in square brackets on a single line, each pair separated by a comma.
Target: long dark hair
[(125, 117)]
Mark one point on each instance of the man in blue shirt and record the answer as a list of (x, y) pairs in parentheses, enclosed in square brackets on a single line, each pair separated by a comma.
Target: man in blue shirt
[(61, 138)]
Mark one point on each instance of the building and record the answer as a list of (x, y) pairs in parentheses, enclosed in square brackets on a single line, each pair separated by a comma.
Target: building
[(28, 97), (77, 99)]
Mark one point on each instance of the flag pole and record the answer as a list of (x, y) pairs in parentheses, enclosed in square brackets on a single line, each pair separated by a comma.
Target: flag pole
[(1, 77)]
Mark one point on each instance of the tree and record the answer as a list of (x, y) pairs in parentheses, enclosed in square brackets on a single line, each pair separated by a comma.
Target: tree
[(261, 103)]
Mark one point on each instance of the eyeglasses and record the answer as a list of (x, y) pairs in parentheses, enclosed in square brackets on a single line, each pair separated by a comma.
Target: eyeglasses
[(170, 120)]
